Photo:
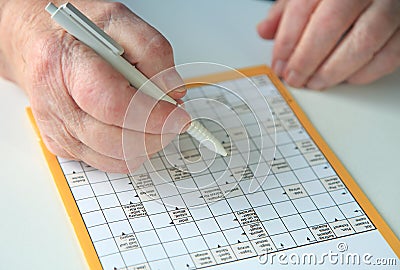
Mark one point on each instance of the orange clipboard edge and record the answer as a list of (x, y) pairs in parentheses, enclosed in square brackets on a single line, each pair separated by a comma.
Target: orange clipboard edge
[(344, 175), (69, 202), (76, 218)]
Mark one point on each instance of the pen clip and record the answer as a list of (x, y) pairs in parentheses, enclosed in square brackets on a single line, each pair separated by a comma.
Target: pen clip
[(92, 28)]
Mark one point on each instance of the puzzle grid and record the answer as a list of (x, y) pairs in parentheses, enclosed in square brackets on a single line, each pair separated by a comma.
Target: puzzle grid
[(196, 209)]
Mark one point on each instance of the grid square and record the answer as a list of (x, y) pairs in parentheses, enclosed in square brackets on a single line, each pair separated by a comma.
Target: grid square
[(323, 170), (175, 248), (82, 192), (274, 226), (160, 220), (166, 190), (96, 176), (285, 208), (234, 235), (314, 187), (351, 209), (342, 196), (248, 186), (182, 260), (128, 197), (88, 205), (70, 167), (111, 261), (332, 214), (200, 212), (270, 182), (313, 218), (106, 247), (114, 214), (208, 225), (257, 199), (216, 239), (193, 199), (187, 185), (303, 236), (108, 201), (141, 224), (171, 203), (304, 204), (277, 195), (147, 238), (154, 252), (188, 230), (133, 257), (286, 178), (294, 222), (227, 221), (289, 149), (100, 232), (112, 176), (154, 207), (297, 162), (102, 188), (168, 234), (218, 165), (283, 241), (322, 200), (121, 185), (266, 212), (195, 244), (220, 207), (120, 227), (238, 203), (282, 138), (93, 218), (305, 174)]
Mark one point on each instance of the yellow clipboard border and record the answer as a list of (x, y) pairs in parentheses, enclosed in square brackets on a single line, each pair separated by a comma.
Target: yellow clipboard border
[(80, 227)]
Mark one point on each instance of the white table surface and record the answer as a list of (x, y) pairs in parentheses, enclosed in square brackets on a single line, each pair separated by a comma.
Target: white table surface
[(360, 123)]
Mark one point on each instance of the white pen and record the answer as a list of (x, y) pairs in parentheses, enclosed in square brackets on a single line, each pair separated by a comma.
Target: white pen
[(78, 25)]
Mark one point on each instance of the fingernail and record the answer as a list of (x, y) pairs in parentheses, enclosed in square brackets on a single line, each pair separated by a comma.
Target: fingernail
[(279, 67), (316, 83), (295, 79)]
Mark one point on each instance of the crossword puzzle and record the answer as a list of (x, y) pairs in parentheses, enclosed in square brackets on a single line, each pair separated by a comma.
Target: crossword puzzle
[(188, 208)]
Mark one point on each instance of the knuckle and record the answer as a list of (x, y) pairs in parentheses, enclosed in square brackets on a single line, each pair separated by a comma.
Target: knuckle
[(51, 145), (116, 7), (364, 43), (112, 8), (159, 46), (43, 58), (71, 145)]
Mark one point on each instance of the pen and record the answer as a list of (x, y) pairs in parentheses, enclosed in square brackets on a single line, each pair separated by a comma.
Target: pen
[(78, 25)]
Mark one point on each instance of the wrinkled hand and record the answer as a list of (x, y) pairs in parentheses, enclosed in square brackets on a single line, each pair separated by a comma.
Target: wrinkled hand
[(78, 100), (320, 43)]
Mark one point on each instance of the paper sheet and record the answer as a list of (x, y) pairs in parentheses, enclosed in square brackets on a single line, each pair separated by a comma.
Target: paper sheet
[(276, 192)]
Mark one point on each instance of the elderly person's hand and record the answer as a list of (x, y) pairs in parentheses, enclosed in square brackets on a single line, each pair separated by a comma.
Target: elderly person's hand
[(320, 43), (78, 100)]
